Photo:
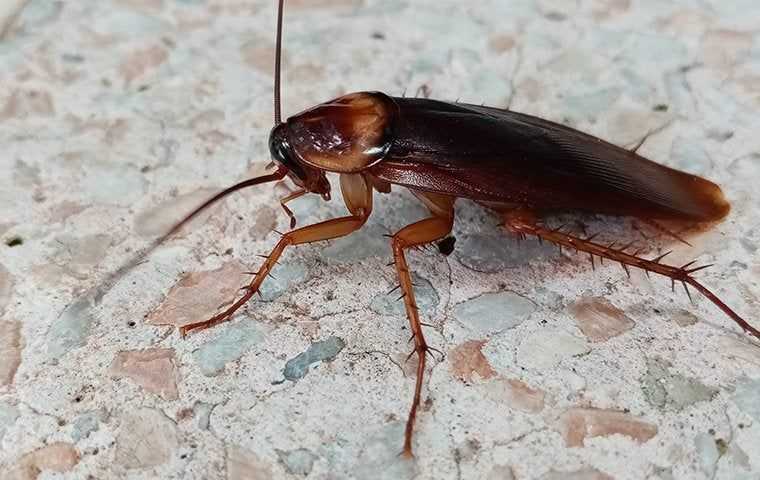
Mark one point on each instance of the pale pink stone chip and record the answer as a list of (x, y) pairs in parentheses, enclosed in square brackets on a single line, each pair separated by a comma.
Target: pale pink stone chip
[(152, 369)]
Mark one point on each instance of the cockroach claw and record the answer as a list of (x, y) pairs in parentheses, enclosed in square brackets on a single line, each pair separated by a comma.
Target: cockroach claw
[(430, 349)]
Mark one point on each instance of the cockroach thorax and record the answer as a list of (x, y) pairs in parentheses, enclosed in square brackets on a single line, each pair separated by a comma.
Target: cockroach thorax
[(345, 135)]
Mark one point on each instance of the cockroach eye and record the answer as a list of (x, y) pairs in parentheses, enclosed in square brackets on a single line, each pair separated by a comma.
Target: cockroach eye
[(281, 152)]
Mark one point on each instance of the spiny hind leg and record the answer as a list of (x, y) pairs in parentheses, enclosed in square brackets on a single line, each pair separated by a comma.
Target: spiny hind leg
[(357, 194), (417, 234), (525, 223)]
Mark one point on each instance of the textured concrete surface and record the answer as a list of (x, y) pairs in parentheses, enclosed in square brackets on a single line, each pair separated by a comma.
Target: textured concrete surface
[(117, 116)]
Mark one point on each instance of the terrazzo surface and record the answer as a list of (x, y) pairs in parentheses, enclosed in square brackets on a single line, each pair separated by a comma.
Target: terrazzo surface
[(118, 116)]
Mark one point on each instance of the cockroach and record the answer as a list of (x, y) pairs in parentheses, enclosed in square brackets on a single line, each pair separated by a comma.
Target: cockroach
[(519, 166)]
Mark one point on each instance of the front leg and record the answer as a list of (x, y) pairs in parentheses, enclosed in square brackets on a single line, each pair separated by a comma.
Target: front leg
[(357, 194), (420, 233)]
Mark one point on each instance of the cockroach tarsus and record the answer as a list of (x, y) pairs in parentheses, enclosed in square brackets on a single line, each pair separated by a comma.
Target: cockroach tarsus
[(520, 166)]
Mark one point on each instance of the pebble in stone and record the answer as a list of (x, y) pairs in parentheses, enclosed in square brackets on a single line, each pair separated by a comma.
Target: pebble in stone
[(258, 54), (8, 14), (85, 424), (545, 349), (707, 452), (735, 453), (57, 457), (722, 49), (500, 472), (502, 43), (583, 474), (141, 61), (264, 222), (322, 351), (36, 13), (110, 183), (665, 390), (578, 424), (28, 103), (297, 462), (467, 360), (599, 320), (147, 438), (152, 369), (685, 318), (202, 412), (366, 243), (283, 276), (590, 106), (494, 312), (389, 304), (231, 343), (516, 394), (81, 253), (8, 416), (604, 9), (10, 350), (198, 295), (747, 398), (243, 464), (71, 329), (493, 253), (380, 459)]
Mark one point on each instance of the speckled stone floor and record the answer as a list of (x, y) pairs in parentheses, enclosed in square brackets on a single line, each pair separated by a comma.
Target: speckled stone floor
[(118, 116)]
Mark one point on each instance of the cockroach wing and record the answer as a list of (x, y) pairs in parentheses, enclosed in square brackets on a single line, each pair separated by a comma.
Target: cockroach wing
[(505, 158)]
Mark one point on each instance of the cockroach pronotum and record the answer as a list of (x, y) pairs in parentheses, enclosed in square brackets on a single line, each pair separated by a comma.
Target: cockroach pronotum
[(519, 166)]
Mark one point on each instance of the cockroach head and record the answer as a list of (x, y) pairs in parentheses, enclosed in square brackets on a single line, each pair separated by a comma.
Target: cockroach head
[(305, 176)]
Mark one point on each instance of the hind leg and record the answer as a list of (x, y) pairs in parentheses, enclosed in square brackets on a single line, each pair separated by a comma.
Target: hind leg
[(524, 222)]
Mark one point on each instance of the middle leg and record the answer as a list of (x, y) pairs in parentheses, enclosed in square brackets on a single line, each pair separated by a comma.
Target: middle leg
[(423, 232)]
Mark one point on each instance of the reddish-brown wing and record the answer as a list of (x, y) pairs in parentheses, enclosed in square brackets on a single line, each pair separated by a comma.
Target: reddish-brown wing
[(504, 157)]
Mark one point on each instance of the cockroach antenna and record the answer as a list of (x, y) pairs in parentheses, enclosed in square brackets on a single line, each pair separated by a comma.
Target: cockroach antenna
[(277, 66)]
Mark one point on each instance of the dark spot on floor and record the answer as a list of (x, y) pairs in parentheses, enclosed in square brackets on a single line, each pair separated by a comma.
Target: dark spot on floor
[(14, 241)]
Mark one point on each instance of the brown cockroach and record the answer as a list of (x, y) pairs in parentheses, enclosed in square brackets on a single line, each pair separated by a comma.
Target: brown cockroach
[(520, 166)]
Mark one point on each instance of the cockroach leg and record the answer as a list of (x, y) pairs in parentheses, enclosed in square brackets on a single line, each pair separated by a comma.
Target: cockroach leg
[(423, 91), (525, 222), (284, 200), (664, 230), (654, 131), (334, 228), (357, 194), (420, 233)]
